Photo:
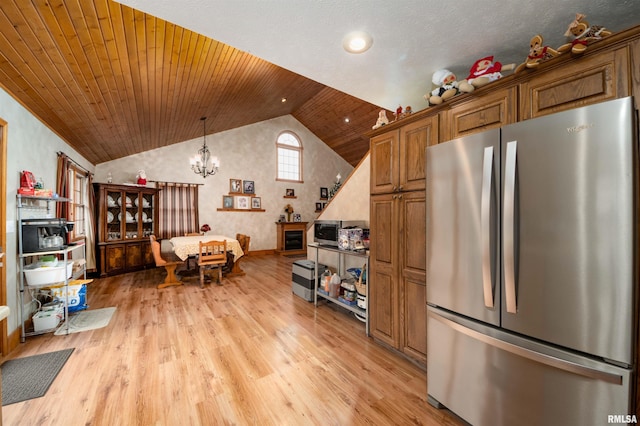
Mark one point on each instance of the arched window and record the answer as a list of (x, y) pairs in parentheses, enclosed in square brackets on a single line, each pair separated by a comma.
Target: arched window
[(289, 157)]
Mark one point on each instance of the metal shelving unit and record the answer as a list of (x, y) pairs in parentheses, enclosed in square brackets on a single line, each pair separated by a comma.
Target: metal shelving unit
[(35, 202), (361, 314)]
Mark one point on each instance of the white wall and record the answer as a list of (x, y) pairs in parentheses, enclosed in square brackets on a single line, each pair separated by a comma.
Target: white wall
[(30, 146), (350, 203), (246, 153)]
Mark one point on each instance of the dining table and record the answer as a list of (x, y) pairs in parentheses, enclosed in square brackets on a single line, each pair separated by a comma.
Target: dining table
[(189, 245)]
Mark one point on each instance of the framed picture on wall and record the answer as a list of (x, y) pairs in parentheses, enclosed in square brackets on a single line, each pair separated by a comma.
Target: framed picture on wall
[(248, 187), (318, 207), (256, 203), (297, 217), (227, 202), (242, 202), (324, 193), (290, 192), (235, 186)]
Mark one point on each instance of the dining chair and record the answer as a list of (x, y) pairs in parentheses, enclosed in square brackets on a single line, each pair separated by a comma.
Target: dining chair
[(170, 262), (212, 254)]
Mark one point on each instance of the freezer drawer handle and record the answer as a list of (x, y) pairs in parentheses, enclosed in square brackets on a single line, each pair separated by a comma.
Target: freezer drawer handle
[(549, 360), (485, 218), (508, 227)]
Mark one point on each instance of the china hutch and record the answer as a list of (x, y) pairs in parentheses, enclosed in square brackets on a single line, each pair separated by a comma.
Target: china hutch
[(126, 216)]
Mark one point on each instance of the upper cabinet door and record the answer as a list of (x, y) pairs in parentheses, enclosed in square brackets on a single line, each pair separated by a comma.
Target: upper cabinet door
[(479, 113), (384, 163), (586, 81), (414, 139)]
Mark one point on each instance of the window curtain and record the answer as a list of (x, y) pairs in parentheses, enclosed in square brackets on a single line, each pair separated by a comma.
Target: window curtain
[(62, 209), (62, 187), (90, 228), (178, 204)]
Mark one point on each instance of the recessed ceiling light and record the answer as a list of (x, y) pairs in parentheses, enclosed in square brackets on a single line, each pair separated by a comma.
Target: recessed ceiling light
[(283, 100), (346, 120), (357, 42)]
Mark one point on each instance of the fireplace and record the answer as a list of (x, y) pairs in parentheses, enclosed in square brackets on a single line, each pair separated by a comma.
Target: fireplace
[(292, 238)]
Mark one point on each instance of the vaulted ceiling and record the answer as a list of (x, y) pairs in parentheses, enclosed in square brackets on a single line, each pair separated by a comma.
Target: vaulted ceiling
[(117, 78), (112, 81)]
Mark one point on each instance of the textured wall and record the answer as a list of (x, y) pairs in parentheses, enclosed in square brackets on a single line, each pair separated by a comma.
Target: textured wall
[(30, 146), (246, 153)]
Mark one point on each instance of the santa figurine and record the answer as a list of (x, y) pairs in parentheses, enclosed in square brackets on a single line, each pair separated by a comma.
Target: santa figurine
[(447, 87), (485, 71), (142, 177)]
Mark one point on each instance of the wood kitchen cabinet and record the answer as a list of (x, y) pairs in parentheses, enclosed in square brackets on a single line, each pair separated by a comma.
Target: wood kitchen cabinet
[(398, 272), (583, 81), (398, 156), (475, 114), (126, 217), (397, 292)]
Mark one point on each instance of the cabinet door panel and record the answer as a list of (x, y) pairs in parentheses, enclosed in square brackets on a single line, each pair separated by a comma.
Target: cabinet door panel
[(147, 254), (481, 113), (134, 255), (415, 320), (384, 155), (115, 258), (383, 291), (414, 241), (584, 82), (414, 139)]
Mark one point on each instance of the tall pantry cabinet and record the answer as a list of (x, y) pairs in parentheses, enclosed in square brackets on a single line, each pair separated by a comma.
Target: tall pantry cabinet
[(397, 292)]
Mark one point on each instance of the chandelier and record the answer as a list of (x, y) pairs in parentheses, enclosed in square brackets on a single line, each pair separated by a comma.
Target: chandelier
[(203, 163)]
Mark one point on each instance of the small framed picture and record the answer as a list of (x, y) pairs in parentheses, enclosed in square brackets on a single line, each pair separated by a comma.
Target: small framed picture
[(297, 217), (290, 192), (242, 202), (235, 186), (256, 203), (324, 193), (282, 219), (318, 207), (247, 187), (227, 202)]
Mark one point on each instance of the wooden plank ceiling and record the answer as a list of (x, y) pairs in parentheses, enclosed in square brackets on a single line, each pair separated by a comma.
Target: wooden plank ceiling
[(112, 81)]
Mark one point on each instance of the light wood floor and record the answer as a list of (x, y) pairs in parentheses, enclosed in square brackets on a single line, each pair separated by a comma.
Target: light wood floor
[(248, 352)]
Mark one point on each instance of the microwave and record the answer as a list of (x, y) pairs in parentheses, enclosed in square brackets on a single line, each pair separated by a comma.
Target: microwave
[(326, 232)]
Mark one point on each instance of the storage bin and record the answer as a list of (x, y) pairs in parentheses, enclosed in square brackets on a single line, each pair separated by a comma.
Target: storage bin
[(40, 276), (46, 320)]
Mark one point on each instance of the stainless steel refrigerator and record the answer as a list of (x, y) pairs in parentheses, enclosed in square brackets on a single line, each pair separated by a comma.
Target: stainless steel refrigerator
[(531, 272)]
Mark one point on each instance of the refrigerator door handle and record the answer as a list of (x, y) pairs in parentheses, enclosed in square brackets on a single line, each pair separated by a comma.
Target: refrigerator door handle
[(546, 359), (485, 219), (508, 232)]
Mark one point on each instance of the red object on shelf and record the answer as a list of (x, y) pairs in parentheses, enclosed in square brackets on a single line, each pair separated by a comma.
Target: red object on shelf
[(26, 191)]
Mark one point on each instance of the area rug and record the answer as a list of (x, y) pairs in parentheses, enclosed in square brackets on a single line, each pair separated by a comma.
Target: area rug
[(87, 320), (30, 377)]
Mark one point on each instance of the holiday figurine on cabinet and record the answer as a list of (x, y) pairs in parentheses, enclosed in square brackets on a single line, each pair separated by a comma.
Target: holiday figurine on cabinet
[(142, 177), (583, 34), (382, 120), (448, 87), (538, 53), (482, 72)]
